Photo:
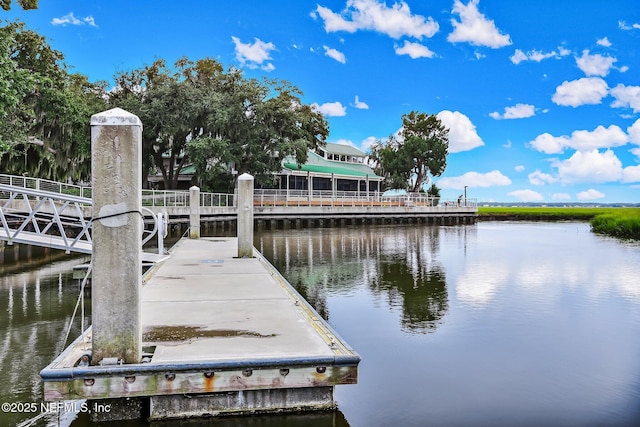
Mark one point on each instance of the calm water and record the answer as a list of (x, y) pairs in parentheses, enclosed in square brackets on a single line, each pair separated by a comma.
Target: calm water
[(493, 324)]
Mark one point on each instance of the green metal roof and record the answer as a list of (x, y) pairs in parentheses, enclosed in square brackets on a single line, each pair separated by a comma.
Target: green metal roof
[(318, 164)]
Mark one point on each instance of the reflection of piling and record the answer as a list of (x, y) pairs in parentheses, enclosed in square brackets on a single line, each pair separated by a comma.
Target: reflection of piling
[(245, 216), (116, 147)]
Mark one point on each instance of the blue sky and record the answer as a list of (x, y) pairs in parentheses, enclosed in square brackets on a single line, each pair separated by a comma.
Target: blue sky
[(542, 98)]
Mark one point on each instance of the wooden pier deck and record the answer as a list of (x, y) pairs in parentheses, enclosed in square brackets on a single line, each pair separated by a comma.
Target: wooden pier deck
[(221, 335)]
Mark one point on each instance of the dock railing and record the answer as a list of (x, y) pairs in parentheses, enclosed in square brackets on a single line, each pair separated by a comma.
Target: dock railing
[(299, 198)]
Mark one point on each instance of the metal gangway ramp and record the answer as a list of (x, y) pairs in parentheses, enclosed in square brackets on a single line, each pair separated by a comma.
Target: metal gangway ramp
[(58, 221)]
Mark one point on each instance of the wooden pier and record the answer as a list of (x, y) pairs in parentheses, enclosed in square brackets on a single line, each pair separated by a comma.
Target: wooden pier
[(221, 335)]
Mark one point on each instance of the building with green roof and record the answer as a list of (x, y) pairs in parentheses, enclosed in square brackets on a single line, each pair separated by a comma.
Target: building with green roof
[(334, 167)]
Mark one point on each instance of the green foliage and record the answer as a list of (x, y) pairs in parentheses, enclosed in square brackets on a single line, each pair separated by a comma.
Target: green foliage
[(24, 4), (434, 192), (44, 110), (420, 150), (217, 120), (623, 223)]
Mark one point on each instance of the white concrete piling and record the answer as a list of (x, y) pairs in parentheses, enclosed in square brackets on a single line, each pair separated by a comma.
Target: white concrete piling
[(116, 162), (245, 216), (194, 212)]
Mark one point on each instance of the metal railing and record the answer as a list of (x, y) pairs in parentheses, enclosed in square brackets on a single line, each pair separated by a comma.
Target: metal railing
[(53, 219), (299, 198)]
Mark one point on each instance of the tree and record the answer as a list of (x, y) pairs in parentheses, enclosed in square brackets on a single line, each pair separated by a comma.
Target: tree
[(419, 150), (217, 120), (44, 110), (24, 4)]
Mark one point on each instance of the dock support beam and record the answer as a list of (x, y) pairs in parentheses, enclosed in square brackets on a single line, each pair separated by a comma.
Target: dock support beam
[(245, 216), (116, 162), (194, 212)]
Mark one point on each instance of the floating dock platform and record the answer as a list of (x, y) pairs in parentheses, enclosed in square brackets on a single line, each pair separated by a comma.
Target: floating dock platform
[(221, 335)]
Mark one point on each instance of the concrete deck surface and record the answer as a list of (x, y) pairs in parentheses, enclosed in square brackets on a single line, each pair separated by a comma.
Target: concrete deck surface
[(204, 304)]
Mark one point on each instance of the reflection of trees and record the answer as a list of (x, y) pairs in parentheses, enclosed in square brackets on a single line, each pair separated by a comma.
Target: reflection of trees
[(398, 262), (422, 293)]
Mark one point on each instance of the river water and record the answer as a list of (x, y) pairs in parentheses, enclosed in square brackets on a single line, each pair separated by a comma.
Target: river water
[(490, 324)]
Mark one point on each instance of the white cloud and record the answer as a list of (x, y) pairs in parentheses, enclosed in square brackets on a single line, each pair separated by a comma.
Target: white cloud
[(519, 168), (595, 65), (590, 166), (526, 195), (626, 96), (331, 109), (634, 132), (631, 174), (581, 140), (254, 54), (395, 21), (414, 50), (604, 42), (561, 196), (587, 90), (590, 194), (335, 54), (624, 26), (537, 56), (368, 142), (635, 152), (360, 105), (474, 179), (462, 133), (540, 178), (518, 111), (475, 28), (70, 19)]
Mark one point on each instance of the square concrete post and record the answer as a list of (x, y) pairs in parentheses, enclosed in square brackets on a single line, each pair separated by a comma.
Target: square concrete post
[(116, 169), (194, 212), (245, 216)]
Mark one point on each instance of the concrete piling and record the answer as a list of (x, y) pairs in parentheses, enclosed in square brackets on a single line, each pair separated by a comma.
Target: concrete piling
[(194, 212), (116, 162), (245, 216)]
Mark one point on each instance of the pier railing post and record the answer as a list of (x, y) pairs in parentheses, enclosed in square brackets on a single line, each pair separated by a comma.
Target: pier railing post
[(116, 166), (194, 212), (245, 216)]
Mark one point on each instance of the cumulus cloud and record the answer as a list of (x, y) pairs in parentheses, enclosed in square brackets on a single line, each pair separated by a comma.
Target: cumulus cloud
[(475, 28), (254, 55), (590, 194), (590, 166), (462, 133), (581, 140), (634, 132), (631, 174), (595, 65), (359, 104), (537, 56), (518, 111), (70, 19), (540, 178), (604, 42), (331, 109), (335, 54), (519, 168), (414, 50), (474, 179), (526, 195), (587, 90), (626, 97), (395, 21)]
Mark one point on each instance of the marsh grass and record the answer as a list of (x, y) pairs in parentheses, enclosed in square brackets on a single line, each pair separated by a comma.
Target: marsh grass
[(615, 221)]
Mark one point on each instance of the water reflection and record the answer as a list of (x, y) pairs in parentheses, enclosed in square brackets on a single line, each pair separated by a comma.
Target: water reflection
[(37, 306), (397, 264)]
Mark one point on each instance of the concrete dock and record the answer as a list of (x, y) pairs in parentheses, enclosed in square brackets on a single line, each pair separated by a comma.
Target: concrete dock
[(220, 335)]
